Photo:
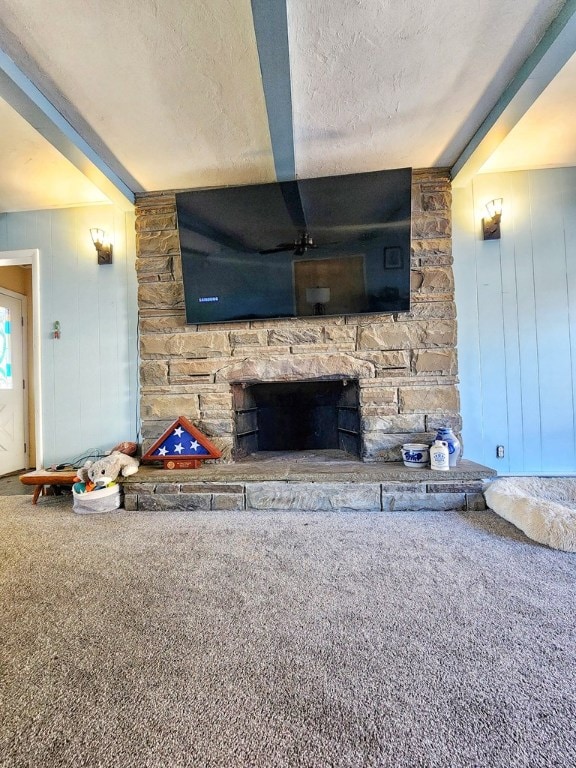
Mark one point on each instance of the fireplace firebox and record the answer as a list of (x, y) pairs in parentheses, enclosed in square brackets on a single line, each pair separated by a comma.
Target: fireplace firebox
[(296, 416)]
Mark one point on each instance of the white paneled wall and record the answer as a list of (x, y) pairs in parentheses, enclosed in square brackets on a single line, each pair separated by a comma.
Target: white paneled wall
[(89, 376), (516, 300)]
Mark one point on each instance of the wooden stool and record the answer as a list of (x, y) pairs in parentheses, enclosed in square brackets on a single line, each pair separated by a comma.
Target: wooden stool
[(47, 477)]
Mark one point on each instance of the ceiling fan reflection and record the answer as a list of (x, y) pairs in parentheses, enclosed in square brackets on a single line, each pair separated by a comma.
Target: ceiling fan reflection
[(299, 246)]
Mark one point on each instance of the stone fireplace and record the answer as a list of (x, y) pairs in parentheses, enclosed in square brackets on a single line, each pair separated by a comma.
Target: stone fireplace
[(380, 380)]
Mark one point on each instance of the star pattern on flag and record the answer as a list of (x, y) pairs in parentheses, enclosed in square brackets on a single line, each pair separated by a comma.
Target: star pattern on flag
[(182, 445), (180, 442)]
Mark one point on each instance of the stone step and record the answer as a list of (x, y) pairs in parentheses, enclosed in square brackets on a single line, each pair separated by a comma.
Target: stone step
[(280, 483)]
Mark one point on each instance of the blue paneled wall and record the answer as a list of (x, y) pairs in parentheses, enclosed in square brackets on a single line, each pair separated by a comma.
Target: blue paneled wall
[(516, 301), (89, 377)]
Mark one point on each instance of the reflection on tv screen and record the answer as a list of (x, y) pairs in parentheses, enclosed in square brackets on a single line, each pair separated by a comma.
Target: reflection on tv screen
[(337, 245)]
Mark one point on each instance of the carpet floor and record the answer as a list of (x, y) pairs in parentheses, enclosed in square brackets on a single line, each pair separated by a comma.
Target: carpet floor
[(282, 640)]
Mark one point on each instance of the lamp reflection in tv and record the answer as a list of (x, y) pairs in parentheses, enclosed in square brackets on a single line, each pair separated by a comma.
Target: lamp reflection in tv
[(319, 297)]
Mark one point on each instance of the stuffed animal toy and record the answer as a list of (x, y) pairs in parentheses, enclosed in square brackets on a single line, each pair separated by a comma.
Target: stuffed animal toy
[(105, 471)]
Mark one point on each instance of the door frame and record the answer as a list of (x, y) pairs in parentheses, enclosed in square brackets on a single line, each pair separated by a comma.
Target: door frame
[(17, 259), (24, 355)]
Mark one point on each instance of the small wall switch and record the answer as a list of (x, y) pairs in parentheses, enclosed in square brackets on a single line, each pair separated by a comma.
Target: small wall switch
[(499, 451)]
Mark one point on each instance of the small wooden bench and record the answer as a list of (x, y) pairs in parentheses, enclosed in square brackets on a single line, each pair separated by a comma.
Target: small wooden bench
[(47, 477)]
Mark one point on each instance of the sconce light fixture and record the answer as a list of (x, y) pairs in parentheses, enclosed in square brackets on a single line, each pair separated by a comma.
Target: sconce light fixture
[(103, 247), (491, 225)]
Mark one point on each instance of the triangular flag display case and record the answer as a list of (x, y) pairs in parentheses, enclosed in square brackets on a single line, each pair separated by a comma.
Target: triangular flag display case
[(182, 446)]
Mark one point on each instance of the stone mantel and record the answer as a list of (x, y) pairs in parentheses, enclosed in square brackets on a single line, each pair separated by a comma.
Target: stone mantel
[(405, 363)]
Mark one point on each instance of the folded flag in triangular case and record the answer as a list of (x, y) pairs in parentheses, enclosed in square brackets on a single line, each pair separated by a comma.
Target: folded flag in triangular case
[(182, 446)]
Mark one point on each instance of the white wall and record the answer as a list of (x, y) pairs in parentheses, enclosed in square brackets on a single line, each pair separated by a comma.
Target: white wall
[(516, 302), (89, 377)]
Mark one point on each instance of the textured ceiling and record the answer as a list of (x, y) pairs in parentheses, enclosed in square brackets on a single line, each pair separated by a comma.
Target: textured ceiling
[(392, 84), (174, 95), (34, 174), (545, 137)]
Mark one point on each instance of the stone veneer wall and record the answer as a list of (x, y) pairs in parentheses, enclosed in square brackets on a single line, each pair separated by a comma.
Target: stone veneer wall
[(405, 363)]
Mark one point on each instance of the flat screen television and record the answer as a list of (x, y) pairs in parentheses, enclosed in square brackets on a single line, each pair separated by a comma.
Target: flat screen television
[(336, 245)]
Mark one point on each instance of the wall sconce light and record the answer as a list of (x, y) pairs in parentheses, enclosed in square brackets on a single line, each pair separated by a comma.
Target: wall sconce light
[(103, 247), (491, 225)]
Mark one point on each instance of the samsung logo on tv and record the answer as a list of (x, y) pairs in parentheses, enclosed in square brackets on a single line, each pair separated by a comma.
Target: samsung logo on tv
[(206, 299)]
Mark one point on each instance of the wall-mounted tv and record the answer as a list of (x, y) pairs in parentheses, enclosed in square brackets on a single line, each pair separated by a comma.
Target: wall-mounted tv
[(336, 245)]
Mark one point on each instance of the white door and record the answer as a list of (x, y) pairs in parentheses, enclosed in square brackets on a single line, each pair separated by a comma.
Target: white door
[(13, 451)]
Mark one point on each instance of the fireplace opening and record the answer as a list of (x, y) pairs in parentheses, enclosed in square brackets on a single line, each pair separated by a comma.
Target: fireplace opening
[(296, 416)]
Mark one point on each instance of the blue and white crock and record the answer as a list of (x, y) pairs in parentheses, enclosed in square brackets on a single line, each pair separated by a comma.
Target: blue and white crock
[(454, 446), (416, 455)]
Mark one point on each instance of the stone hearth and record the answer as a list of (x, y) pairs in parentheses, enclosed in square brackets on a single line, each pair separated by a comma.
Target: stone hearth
[(307, 481), (404, 364)]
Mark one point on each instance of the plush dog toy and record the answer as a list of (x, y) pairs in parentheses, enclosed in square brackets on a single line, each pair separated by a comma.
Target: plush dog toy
[(105, 471)]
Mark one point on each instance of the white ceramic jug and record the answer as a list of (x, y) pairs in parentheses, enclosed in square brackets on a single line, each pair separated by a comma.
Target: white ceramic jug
[(440, 456)]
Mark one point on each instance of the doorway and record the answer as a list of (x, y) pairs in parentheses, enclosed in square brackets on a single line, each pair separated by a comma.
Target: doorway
[(29, 391), (330, 286), (13, 384)]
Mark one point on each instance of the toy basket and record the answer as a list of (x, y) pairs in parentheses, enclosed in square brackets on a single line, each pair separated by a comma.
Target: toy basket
[(104, 500)]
